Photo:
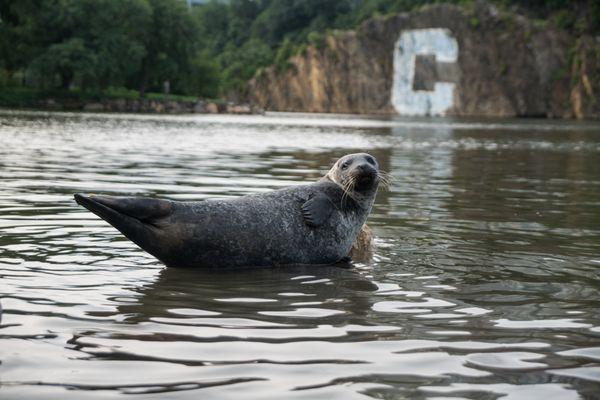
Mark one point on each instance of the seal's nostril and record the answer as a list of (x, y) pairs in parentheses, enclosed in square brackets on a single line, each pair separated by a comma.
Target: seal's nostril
[(366, 168)]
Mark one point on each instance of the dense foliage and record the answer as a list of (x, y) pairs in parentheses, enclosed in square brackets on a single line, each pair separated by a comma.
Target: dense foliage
[(93, 45), (208, 50), (245, 35)]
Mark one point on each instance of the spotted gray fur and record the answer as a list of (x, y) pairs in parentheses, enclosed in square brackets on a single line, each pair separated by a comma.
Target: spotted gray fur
[(315, 223)]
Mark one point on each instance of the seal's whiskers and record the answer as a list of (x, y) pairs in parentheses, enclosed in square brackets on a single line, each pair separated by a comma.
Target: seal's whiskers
[(347, 187), (385, 178)]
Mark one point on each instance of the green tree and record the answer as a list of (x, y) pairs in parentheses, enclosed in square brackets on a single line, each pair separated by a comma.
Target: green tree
[(170, 44), (203, 79), (242, 63), (66, 61), (293, 18), (85, 43), (116, 33), (213, 25), (17, 42)]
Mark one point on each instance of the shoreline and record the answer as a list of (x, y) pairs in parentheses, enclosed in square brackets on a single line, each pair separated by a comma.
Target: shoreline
[(152, 103), (143, 106), (338, 120)]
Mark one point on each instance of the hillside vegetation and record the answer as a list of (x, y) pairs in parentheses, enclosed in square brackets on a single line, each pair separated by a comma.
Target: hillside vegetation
[(84, 47)]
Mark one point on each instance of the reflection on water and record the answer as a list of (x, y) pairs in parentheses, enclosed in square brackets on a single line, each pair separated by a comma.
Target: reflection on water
[(484, 283)]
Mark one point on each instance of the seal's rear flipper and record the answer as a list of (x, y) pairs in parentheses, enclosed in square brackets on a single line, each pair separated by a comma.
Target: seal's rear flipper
[(134, 217), (140, 208)]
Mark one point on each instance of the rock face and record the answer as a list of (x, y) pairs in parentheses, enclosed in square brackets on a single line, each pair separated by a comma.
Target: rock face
[(441, 60), (585, 75)]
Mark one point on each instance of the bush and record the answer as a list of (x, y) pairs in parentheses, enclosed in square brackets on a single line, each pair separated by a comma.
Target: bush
[(19, 97)]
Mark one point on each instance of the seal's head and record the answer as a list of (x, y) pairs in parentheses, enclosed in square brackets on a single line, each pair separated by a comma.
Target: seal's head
[(357, 174)]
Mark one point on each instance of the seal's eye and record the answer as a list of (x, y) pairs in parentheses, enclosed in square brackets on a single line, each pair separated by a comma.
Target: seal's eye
[(370, 160), (345, 164)]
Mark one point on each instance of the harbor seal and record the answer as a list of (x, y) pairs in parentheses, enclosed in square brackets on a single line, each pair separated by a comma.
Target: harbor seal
[(315, 223)]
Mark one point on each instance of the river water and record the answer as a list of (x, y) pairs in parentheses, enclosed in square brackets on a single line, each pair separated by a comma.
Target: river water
[(485, 282)]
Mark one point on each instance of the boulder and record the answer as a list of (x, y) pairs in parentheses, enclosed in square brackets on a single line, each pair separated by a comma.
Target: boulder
[(93, 107), (233, 108), (212, 108)]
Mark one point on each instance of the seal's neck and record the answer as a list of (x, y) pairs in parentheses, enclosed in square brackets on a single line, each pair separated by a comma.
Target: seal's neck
[(329, 177)]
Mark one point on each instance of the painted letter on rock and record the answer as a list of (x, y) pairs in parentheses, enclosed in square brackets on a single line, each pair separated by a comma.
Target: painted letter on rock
[(436, 42)]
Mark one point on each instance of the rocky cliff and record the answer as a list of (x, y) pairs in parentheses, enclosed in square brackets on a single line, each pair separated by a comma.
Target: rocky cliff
[(441, 60)]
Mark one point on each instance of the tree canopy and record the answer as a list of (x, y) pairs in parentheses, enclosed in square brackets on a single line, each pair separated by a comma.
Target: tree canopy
[(95, 44)]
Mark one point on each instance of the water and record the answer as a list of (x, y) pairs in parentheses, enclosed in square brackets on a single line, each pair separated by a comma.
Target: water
[(484, 284)]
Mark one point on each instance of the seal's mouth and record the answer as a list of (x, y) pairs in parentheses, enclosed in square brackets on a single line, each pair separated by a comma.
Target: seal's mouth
[(365, 180)]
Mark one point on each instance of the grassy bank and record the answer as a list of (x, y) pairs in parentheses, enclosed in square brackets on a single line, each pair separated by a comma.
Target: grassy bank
[(24, 97)]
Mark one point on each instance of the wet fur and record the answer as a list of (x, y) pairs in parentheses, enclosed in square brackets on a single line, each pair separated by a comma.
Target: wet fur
[(267, 229)]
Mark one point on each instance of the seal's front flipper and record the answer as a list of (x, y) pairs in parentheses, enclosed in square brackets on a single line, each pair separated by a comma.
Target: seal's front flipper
[(317, 210), (344, 262)]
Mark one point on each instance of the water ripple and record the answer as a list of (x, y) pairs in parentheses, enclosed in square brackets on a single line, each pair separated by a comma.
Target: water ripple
[(483, 283)]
